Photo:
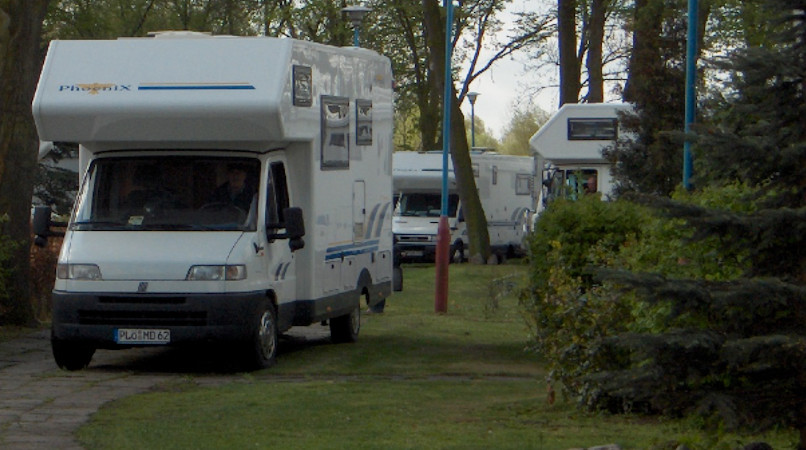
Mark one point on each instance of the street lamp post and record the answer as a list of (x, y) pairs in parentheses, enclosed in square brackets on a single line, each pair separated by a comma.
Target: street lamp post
[(356, 15), (443, 232), (472, 97)]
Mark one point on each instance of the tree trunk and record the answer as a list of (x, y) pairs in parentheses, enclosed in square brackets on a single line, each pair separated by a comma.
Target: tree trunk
[(569, 64), (595, 42), (645, 61), (478, 237), (20, 62)]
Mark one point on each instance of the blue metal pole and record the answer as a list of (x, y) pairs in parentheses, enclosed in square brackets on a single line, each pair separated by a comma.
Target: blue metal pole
[(472, 125), (443, 231), (446, 106), (355, 36), (691, 98)]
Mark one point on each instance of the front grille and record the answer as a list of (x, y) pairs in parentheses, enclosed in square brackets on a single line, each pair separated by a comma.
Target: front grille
[(142, 318), (418, 238), (142, 300)]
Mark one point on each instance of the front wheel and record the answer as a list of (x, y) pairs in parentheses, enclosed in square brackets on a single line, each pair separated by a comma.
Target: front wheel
[(458, 252), (263, 350), (70, 355)]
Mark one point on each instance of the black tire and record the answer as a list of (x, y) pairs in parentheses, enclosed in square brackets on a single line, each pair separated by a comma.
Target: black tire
[(70, 355), (397, 278), (345, 329), (458, 252), (263, 348)]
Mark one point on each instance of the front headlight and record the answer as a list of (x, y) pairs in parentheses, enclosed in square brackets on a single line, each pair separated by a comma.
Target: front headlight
[(214, 273), (78, 272)]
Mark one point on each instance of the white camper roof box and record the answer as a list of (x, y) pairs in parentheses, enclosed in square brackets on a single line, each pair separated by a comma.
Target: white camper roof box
[(180, 90), (413, 171), (558, 142)]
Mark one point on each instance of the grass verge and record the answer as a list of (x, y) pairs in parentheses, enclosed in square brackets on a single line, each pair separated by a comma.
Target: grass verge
[(415, 379)]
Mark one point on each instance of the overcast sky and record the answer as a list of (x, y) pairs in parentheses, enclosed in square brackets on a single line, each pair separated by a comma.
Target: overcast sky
[(508, 85)]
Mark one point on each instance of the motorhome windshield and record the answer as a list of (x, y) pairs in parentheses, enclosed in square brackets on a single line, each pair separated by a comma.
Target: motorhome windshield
[(426, 204), (169, 193), (571, 184)]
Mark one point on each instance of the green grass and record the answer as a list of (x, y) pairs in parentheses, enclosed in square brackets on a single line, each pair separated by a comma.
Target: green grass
[(415, 379)]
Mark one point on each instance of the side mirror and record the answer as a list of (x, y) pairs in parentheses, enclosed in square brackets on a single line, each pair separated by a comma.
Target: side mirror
[(294, 223), (294, 228), (41, 225)]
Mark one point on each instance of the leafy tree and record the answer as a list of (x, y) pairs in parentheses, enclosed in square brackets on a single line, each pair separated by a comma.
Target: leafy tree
[(590, 47), (479, 17), (650, 159), (570, 66), (478, 237), (88, 19), (20, 27), (57, 186), (484, 138), (521, 128)]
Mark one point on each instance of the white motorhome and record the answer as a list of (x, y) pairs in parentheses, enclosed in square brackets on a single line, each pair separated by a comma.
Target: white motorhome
[(505, 184), (204, 162), (569, 147)]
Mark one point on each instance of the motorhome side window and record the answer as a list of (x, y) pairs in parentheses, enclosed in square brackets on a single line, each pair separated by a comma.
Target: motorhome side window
[(167, 193), (335, 132), (363, 122), (276, 197), (523, 184), (592, 129)]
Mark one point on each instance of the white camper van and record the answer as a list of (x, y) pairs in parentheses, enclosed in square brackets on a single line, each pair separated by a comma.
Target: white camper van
[(570, 145), (232, 188), (505, 184)]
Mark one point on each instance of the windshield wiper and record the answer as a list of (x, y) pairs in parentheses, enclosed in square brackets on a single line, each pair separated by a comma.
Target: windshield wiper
[(169, 226), (97, 224)]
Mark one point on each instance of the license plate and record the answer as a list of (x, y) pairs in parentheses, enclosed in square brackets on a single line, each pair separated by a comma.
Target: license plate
[(142, 336), (413, 253)]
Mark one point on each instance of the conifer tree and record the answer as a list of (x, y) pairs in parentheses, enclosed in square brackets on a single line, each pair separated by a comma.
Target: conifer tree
[(733, 351)]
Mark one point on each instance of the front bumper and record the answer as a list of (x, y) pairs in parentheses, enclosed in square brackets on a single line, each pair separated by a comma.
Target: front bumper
[(194, 318)]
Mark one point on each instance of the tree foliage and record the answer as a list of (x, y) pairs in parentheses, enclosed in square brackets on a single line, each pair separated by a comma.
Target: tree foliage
[(522, 126), (649, 160), (484, 137)]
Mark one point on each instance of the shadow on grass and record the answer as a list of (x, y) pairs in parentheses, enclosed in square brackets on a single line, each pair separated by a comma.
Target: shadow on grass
[(309, 351), (201, 359)]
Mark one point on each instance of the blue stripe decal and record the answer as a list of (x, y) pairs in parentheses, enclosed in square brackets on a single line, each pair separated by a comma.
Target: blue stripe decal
[(517, 213), (341, 251), (197, 87), (372, 215), (381, 219)]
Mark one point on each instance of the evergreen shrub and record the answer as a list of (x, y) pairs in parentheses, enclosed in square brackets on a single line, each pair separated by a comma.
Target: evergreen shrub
[(571, 311)]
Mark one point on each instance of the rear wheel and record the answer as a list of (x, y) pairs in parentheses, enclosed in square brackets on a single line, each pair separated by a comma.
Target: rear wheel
[(346, 328), (263, 351), (70, 355), (458, 252)]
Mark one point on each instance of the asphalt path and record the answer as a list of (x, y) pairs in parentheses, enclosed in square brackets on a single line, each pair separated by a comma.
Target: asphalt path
[(41, 406)]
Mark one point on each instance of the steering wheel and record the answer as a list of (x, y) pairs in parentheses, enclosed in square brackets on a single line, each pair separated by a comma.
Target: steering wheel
[(225, 209)]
